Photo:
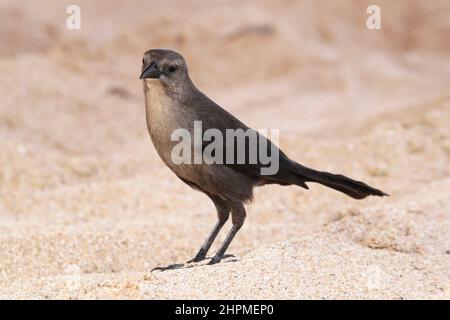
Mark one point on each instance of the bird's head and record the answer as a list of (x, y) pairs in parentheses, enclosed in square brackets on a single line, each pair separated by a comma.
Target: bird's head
[(166, 66)]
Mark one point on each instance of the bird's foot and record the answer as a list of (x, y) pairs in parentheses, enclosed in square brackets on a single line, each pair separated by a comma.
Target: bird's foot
[(199, 257), (169, 267), (215, 260)]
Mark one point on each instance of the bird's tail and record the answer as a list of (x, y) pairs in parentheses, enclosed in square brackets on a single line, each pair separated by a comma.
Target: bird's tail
[(352, 188)]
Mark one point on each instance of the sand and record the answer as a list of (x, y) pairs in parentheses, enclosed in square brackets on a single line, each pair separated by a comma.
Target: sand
[(87, 209)]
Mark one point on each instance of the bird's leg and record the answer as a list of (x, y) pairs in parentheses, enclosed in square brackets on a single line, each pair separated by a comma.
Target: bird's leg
[(238, 217), (223, 213), (201, 254)]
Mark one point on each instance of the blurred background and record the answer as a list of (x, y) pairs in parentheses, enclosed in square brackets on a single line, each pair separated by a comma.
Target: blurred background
[(82, 191)]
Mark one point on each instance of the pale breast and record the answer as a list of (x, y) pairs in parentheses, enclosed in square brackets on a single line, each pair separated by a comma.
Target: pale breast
[(163, 118)]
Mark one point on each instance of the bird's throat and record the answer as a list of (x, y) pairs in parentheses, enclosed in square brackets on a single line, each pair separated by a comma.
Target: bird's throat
[(156, 98), (157, 105)]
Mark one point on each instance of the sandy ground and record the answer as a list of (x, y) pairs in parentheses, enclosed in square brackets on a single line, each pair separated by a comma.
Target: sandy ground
[(87, 209)]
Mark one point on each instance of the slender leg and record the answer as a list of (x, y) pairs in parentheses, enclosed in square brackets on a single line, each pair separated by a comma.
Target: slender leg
[(238, 217), (223, 212)]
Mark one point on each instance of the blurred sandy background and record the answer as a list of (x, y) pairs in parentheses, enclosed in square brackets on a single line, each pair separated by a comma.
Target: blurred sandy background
[(87, 208)]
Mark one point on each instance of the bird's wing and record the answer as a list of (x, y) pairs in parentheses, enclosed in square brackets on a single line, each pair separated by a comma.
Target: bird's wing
[(214, 117)]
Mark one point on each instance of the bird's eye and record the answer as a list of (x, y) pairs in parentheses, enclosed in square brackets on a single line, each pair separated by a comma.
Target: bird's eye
[(172, 68)]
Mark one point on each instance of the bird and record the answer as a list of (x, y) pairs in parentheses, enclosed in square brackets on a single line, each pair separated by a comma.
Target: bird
[(172, 101)]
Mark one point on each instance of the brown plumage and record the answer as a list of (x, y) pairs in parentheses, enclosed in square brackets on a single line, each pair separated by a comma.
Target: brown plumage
[(173, 102)]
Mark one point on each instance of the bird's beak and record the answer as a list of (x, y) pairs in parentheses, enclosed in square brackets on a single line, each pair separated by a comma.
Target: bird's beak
[(151, 71)]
